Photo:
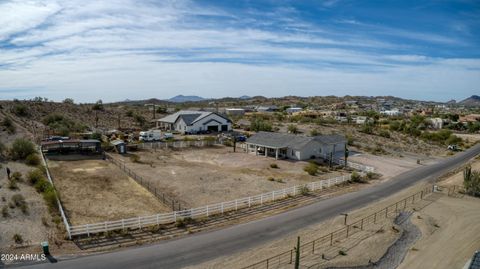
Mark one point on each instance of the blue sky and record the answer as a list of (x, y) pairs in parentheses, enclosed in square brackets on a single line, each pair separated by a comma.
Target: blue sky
[(126, 49)]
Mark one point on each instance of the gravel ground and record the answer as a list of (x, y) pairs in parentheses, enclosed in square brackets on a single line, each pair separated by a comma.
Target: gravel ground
[(396, 252)]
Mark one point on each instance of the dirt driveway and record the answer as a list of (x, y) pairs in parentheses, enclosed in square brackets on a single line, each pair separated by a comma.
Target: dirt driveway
[(201, 176), (96, 190)]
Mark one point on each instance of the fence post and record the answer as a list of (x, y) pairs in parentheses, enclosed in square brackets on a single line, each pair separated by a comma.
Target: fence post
[(313, 247), (273, 196), (386, 212), (123, 224), (174, 216), (221, 207), (421, 195), (88, 231)]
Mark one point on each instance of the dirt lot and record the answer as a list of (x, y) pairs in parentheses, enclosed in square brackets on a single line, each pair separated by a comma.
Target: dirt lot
[(450, 234), (200, 176), (96, 190)]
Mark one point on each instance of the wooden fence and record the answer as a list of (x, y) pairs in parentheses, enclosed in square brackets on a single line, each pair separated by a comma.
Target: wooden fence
[(288, 257)]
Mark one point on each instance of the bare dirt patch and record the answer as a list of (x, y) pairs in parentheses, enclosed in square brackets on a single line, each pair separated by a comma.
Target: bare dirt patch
[(450, 234), (200, 176), (96, 190)]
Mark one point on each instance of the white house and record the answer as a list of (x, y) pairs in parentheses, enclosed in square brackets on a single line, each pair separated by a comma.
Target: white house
[(392, 112), (235, 111), (292, 110), (192, 122), (296, 147)]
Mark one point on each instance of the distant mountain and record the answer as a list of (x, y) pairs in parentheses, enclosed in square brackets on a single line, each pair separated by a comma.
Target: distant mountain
[(244, 97), (473, 100), (185, 98)]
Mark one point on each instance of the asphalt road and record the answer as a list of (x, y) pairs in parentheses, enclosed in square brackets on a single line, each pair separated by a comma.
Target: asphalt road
[(204, 246)]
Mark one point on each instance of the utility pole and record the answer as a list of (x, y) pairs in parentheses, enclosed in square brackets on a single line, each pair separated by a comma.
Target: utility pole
[(347, 152), (153, 109), (297, 254)]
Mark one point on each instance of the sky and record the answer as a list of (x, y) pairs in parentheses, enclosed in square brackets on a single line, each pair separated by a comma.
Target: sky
[(137, 49)]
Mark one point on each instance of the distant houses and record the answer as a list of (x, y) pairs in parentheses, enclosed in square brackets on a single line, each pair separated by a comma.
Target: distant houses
[(296, 147), (192, 122)]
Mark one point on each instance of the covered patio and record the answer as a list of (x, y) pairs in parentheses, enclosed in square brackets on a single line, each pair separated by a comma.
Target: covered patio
[(267, 151)]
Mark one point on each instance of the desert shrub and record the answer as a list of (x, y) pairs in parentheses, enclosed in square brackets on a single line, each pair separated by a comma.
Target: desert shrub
[(384, 133), (20, 110), (5, 213), (259, 124), (342, 253), (62, 124), (304, 190), (313, 132), (140, 119), (17, 238), (367, 128), (311, 168), (134, 158), (42, 185), (20, 202), (471, 181), (16, 176), (292, 129), (274, 165), (21, 148), (12, 185), (34, 176), (271, 179), (50, 199), (96, 136), (32, 159), (8, 124), (129, 113), (357, 178)]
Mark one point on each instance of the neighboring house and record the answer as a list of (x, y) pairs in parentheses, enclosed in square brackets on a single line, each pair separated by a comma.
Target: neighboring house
[(436, 123), (291, 110), (296, 147), (271, 108), (393, 112), (235, 111), (361, 120), (192, 122)]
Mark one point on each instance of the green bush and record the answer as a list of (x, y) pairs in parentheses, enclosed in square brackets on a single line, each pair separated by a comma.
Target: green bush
[(311, 168), (292, 129), (135, 158), (21, 148), (274, 165), (8, 124), (42, 185), (357, 178), (34, 176), (260, 125), (16, 176), (5, 213), (32, 159), (384, 133), (50, 199), (20, 110), (17, 238)]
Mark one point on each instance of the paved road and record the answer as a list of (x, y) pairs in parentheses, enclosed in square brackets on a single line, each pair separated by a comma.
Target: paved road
[(208, 245)]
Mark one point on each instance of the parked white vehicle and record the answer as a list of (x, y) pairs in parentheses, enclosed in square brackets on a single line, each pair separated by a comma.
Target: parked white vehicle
[(167, 135), (151, 135)]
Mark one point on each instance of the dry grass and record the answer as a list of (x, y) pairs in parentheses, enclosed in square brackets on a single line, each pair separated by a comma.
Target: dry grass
[(96, 190)]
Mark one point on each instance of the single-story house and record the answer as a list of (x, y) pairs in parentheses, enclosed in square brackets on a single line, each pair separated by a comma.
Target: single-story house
[(292, 110), (235, 111), (192, 122), (296, 147)]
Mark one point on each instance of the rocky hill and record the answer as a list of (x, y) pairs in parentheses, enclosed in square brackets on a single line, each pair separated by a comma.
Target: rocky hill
[(471, 101)]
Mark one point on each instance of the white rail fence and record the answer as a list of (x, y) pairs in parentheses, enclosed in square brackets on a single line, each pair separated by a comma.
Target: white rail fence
[(204, 211), (357, 166)]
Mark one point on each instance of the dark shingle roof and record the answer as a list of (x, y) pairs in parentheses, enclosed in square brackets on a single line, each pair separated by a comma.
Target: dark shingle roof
[(283, 140), (475, 264), (189, 118)]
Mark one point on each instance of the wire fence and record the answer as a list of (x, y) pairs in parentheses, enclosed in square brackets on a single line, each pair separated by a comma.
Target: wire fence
[(205, 211), (165, 198), (329, 240), (179, 144), (357, 166)]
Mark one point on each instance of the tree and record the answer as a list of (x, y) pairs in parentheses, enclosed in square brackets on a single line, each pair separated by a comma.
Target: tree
[(68, 101), (21, 148), (98, 105)]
